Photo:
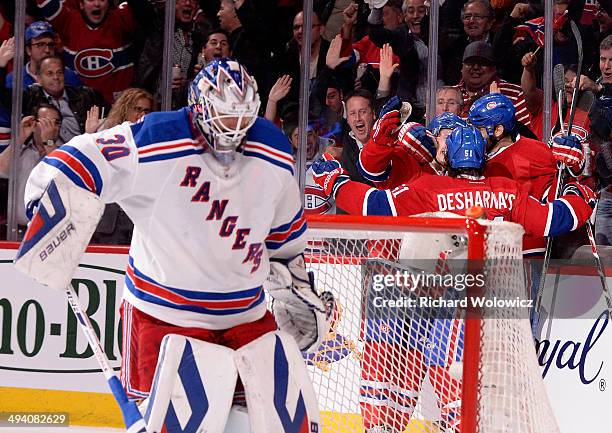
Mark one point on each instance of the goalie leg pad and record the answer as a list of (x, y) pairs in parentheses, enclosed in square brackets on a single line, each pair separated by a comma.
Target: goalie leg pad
[(279, 392), (57, 235), (193, 387), (238, 420)]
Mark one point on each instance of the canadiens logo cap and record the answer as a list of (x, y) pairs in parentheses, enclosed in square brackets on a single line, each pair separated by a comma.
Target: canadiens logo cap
[(480, 50), (37, 29)]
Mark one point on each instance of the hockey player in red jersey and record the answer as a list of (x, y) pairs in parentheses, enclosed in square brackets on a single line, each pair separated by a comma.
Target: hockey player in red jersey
[(530, 162), (397, 154), (501, 198), (97, 42)]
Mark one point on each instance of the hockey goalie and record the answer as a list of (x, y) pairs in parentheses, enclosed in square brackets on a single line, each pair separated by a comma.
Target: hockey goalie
[(218, 220)]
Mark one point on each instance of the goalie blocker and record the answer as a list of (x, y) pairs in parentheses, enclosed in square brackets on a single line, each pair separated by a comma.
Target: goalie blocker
[(62, 224)]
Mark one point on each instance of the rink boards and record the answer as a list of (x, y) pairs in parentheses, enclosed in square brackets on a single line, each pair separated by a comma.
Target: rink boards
[(45, 365)]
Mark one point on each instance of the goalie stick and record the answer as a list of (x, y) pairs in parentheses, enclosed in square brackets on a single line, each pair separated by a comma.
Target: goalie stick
[(131, 415)]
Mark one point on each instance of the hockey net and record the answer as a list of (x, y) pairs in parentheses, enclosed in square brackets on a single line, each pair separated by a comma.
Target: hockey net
[(402, 368)]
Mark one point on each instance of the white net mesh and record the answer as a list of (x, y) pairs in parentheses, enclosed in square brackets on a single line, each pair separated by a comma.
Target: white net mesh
[(398, 367)]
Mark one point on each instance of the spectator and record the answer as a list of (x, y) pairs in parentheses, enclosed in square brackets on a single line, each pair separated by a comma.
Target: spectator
[(601, 137), (7, 51), (115, 227), (478, 72), (97, 41), (360, 118), (365, 50), (449, 99), (603, 85), (189, 36), (73, 102), (6, 27), (335, 21), (415, 12), (38, 137), (279, 91), (534, 99), (333, 100), (215, 47), (290, 61), (409, 47), (478, 19), (604, 18), (248, 41), (131, 106), (39, 43)]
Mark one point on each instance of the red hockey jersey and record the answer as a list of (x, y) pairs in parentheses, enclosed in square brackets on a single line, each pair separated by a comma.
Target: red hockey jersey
[(529, 162), (388, 167), (501, 198), (101, 56)]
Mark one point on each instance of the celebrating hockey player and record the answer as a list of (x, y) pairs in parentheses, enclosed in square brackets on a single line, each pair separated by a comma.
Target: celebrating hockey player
[(211, 231), (501, 198), (397, 154)]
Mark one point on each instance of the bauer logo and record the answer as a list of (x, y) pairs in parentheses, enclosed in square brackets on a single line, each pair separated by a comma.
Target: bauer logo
[(575, 355)]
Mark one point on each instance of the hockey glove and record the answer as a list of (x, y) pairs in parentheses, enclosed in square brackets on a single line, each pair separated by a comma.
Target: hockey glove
[(568, 151), (418, 141), (385, 130), (329, 174), (298, 309), (582, 191), (393, 104)]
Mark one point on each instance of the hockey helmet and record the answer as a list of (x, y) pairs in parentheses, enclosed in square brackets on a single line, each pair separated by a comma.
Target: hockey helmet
[(492, 110), (445, 120), (465, 148), (224, 103)]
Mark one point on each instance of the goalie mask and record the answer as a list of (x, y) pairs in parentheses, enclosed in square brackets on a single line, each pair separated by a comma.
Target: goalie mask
[(224, 102)]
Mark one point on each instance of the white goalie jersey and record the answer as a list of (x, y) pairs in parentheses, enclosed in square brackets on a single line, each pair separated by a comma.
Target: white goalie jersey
[(203, 232)]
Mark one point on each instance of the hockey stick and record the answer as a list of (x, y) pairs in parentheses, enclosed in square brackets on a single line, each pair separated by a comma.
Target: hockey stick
[(549, 240), (131, 415), (600, 268), (561, 97)]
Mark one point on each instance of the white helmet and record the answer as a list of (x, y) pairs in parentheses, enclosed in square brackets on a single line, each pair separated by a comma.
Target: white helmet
[(224, 102)]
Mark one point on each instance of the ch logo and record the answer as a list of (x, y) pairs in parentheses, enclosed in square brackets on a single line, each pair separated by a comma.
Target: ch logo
[(94, 62)]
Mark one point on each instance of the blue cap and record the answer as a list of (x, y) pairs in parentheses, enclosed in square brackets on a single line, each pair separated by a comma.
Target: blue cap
[(37, 29)]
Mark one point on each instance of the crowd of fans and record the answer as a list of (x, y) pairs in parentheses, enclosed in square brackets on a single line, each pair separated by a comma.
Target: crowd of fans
[(91, 64)]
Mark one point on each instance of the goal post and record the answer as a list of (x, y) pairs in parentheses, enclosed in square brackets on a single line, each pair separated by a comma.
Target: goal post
[(409, 369)]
